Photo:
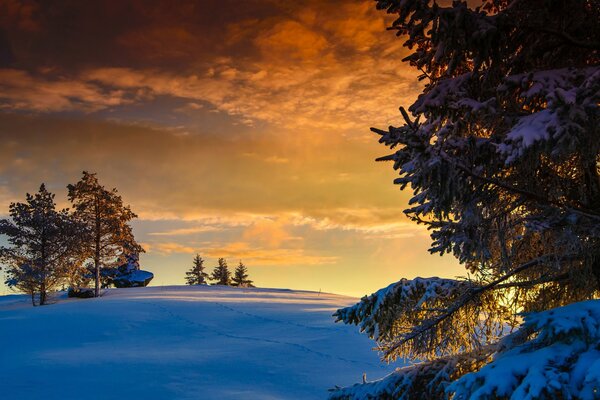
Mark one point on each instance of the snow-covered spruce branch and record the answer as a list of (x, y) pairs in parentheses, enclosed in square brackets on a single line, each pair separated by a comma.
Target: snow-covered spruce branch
[(470, 296), (428, 302), (553, 355), (395, 312)]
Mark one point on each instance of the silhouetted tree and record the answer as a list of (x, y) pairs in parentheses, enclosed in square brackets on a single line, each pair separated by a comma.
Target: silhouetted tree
[(240, 276), (502, 154), (107, 219), (43, 242), (196, 274), (221, 273)]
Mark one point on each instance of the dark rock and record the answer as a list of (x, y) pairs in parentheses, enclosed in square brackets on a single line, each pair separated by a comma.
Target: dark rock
[(129, 273), (137, 278)]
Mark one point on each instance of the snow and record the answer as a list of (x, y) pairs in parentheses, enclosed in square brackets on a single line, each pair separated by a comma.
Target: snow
[(182, 342), (569, 93), (559, 361), (530, 129), (139, 276)]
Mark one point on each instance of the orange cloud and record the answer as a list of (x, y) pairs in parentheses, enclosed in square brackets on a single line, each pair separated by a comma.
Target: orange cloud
[(260, 256), (167, 248), (22, 91), (309, 65), (269, 232), (291, 41), (185, 231)]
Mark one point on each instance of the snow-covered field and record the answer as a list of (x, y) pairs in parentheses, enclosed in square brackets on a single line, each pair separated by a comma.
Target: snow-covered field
[(179, 342)]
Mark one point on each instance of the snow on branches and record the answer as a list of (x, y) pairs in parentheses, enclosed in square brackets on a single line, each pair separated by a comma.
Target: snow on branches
[(554, 354), (419, 318), (427, 380), (570, 97)]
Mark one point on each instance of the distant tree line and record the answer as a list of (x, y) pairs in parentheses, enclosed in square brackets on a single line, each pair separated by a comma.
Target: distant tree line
[(48, 248), (221, 275)]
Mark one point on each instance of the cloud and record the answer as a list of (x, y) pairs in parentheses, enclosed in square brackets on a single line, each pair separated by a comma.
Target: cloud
[(291, 41), (185, 231), (248, 251), (162, 42), (260, 256), (277, 160), (20, 90), (307, 65), (270, 232), (376, 222), (164, 175), (167, 248), (348, 95)]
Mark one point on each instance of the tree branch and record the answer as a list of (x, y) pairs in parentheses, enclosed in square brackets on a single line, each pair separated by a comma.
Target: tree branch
[(468, 297), (522, 192), (567, 38)]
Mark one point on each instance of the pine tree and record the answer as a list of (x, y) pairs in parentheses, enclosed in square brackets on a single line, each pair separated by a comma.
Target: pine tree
[(44, 244), (107, 220), (221, 273), (502, 153), (240, 276), (196, 274)]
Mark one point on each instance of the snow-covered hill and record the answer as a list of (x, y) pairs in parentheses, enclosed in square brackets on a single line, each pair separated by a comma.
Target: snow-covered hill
[(181, 342)]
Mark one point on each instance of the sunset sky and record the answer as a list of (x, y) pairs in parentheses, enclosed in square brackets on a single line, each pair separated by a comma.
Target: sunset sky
[(236, 129)]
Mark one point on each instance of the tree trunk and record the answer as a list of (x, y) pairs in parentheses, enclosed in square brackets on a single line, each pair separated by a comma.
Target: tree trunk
[(33, 298), (97, 273), (591, 180), (42, 294), (97, 251), (44, 271)]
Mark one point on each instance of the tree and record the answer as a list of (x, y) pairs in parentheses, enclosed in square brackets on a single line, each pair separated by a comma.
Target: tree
[(43, 244), (196, 274), (502, 153), (107, 220), (240, 276), (221, 273)]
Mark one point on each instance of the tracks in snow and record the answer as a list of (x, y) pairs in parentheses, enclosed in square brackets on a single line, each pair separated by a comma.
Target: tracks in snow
[(219, 332)]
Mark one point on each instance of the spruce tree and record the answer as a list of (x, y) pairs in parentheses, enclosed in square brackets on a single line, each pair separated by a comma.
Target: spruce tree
[(44, 244), (240, 276), (221, 273), (502, 153), (196, 274), (107, 220)]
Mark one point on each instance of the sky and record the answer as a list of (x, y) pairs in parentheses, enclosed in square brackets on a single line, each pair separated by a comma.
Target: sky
[(235, 129)]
